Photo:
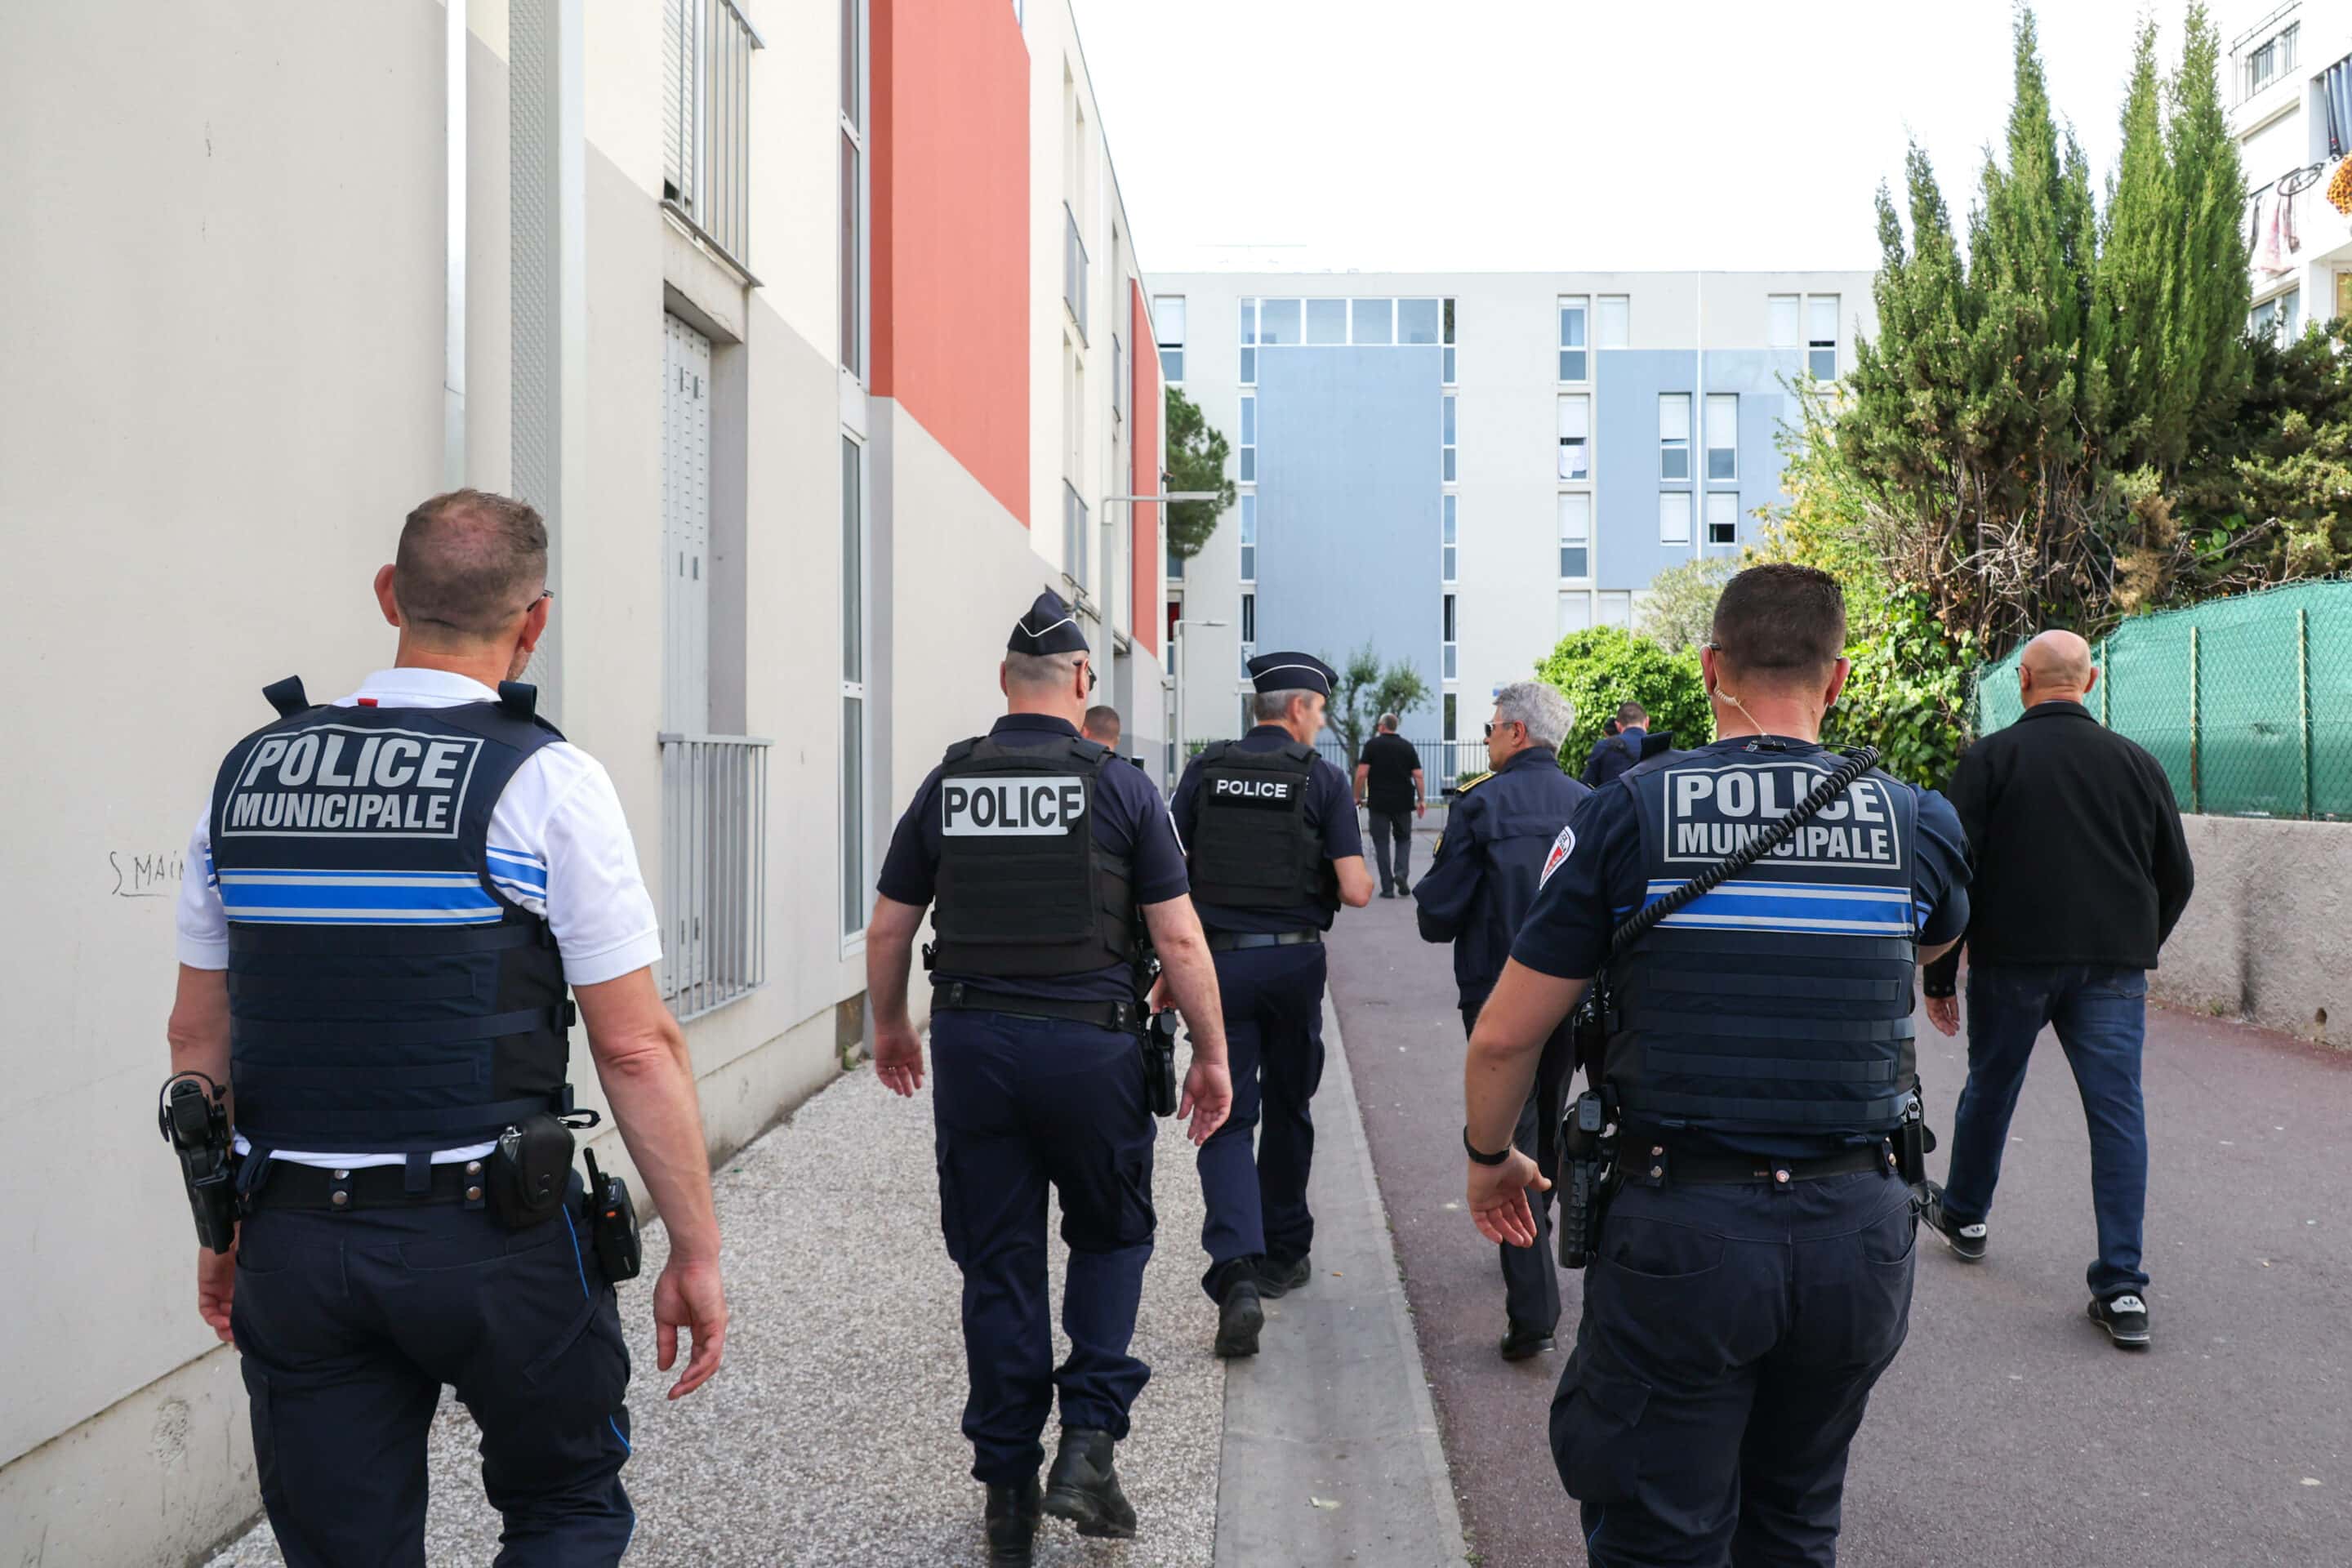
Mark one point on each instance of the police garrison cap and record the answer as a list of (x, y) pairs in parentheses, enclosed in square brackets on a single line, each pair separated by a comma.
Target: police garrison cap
[(1291, 672), (1048, 627)]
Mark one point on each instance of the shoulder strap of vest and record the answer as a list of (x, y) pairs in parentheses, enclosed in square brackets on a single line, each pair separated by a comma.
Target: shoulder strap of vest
[(497, 721), (519, 697), (1298, 751), (288, 697), (960, 751), (1091, 753), (1215, 751)]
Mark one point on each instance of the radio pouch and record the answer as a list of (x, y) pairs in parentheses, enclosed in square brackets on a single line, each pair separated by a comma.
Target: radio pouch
[(530, 1171)]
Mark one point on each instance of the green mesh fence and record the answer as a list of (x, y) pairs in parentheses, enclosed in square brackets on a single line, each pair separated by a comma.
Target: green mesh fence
[(2247, 703)]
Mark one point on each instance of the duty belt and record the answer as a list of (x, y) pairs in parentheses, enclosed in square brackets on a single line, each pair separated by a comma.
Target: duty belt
[(286, 1186), (1235, 941), (1652, 1160), (958, 996)]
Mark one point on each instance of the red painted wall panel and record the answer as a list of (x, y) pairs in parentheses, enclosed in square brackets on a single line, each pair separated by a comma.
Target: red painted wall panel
[(950, 231), (1143, 473)]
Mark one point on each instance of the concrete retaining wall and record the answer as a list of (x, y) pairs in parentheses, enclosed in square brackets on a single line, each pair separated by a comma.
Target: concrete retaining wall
[(2266, 936)]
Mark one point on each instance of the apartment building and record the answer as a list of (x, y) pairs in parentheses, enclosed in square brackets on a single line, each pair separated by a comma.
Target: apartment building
[(2288, 81), (815, 331), (1457, 469)]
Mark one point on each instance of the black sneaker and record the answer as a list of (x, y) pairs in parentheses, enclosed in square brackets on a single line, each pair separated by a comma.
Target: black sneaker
[(1388, 892), (1082, 1487), (1520, 1341), (1275, 1280), (2125, 1317), (1012, 1522), (1967, 1241), (1239, 1318)]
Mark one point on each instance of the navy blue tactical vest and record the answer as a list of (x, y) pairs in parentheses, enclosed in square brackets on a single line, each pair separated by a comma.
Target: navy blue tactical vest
[(1024, 890), (383, 996), (1253, 846), (1782, 1001)]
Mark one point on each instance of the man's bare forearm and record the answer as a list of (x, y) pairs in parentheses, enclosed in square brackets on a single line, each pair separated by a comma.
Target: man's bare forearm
[(649, 1077), (198, 1029), (1499, 1072), (1190, 975), (890, 951)]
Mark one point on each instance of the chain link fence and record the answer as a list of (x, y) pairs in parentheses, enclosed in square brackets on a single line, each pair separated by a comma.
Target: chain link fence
[(2247, 701)]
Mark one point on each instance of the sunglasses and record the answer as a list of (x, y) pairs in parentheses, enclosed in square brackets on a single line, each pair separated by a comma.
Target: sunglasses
[(1510, 723)]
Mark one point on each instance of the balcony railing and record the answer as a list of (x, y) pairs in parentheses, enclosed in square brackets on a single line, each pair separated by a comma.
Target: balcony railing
[(1073, 269), (706, 101), (714, 870)]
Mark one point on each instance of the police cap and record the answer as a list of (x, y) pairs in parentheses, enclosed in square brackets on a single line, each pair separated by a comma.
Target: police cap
[(1291, 672), (1048, 627)]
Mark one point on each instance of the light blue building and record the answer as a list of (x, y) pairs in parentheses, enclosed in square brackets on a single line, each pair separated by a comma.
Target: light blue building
[(1456, 470)]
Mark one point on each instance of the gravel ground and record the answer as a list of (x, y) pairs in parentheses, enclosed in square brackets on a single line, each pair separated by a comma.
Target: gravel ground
[(831, 1435)]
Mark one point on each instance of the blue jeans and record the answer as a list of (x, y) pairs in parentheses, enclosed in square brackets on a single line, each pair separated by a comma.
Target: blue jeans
[(2101, 1017)]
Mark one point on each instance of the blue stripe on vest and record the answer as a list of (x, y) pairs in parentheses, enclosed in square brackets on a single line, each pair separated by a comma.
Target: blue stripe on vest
[(381, 897), (1814, 906)]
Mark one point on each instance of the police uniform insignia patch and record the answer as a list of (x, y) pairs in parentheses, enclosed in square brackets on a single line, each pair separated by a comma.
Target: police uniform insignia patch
[(1562, 848), (1024, 807)]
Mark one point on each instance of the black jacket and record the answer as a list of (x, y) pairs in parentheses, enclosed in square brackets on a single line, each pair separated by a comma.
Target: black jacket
[(2077, 846), (1489, 862), (1611, 755)]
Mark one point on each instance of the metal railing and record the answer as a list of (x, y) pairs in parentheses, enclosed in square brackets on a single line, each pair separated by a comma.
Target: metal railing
[(714, 870), (2255, 69), (714, 106), (1074, 269)]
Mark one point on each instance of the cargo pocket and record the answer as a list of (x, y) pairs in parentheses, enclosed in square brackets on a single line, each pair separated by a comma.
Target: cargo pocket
[(1596, 1434)]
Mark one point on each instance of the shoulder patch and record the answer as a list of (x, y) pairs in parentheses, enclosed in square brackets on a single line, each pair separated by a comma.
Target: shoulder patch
[(1562, 848), (1466, 785)]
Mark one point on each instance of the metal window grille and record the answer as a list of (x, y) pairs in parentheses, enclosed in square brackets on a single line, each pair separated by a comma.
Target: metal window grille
[(706, 121), (714, 870), (2247, 701)]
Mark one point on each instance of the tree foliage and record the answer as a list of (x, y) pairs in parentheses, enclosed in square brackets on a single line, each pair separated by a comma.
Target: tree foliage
[(1598, 669), (1365, 690), (1679, 614), (1197, 451)]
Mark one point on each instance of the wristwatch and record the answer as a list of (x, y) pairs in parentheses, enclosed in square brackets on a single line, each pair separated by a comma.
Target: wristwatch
[(1477, 1157)]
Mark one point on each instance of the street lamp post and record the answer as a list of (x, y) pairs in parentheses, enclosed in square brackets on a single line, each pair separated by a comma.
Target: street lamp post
[(1181, 622), (1162, 498)]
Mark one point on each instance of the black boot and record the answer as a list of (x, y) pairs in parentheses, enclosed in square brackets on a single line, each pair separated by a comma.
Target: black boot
[(1012, 1523), (1239, 1315), (1082, 1487)]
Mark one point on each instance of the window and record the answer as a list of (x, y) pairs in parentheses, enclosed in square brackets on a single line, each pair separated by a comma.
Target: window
[(705, 125), (2344, 296), (1375, 322), (1249, 537), (1249, 625), (1416, 321), (1327, 320), (1278, 323), (1780, 317), (1449, 637), (853, 687), (1614, 328), (1075, 535), (1449, 466), (1249, 343), (1723, 517), (686, 529), (2267, 60), (1248, 456), (1447, 332), (1448, 706), (1674, 517), (1572, 346), (1118, 379), (1575, 534), (1617, 609), (1175, 569), (1073, 269), (1449, 542), (1820, 336), (1575, 438), (1575, 613), (1673, 435), (853, 178), (2276, 317), (1722, 436), (1168, 326)]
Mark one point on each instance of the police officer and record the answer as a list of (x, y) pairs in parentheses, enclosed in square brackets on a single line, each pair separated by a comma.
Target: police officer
[(397, 890), (1046, 866), (1753, 1272), (1497, 835), (1275, 851)]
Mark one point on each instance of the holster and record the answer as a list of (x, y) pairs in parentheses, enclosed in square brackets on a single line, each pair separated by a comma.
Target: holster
[(1159, 1062), (1587, 1159), (195, 1125)]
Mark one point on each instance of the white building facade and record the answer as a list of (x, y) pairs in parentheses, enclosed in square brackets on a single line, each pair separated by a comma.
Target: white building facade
[(2288, 82)]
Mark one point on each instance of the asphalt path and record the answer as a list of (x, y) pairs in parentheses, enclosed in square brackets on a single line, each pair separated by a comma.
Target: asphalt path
[(2008, 1431)]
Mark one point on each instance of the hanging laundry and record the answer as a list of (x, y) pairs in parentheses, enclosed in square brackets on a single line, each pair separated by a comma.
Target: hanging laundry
[(2269, 256), (2339, 189)]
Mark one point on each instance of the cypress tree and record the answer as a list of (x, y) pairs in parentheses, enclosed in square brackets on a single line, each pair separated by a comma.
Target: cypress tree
[(2205, 364), (2135, 267)]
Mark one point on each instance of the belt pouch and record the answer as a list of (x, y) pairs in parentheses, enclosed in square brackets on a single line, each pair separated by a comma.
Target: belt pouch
[(530, 1171)]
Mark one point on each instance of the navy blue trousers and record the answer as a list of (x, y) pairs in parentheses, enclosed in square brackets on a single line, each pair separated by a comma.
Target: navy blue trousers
[(1730, 1338), (1530, 1274), (2101, 1017), (1022, 1104), (350, 1325), (1274, 1039)]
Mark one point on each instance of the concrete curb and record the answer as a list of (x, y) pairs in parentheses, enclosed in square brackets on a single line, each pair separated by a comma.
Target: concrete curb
[(1332, 1451)]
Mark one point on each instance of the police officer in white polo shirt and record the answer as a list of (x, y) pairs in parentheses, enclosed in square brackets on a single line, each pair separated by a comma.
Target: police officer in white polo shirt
[(398, 890)]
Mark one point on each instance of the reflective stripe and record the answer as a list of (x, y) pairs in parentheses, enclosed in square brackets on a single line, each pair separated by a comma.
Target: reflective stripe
[(1829, 908)]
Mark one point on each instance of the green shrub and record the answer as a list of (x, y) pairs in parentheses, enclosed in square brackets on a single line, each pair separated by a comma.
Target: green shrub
[(1598, 669)]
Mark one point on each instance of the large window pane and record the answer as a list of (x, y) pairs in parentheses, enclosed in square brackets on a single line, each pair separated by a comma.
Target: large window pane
[(1249, 323), (1277, 321), (1673, 436), (852, 277), (1781, 312), (1416, 321), (1575, 444), (1167, 319), (1575, 534), (1374, 320), (1575, 613), (853, 564), (1616, 610), (1723, 517), (1249, 538), (1722, 436), (1674, 517), (853, 814), (1615, 326), (1327, 320), (1249, 421)]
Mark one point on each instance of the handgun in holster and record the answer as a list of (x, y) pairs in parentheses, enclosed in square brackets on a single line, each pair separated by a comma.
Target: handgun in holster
[(1913, 1143), (195, 1122), (1587, 1159), (1158, 1037)]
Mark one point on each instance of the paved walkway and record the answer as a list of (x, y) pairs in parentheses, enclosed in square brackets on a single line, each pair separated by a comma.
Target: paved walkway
[(2009, 1432)]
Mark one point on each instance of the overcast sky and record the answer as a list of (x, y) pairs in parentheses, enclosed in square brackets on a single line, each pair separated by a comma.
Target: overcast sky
[(1507, 134)]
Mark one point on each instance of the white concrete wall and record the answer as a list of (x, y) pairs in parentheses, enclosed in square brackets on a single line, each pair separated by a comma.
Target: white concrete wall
[(2284, 127), (2262, 939)]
